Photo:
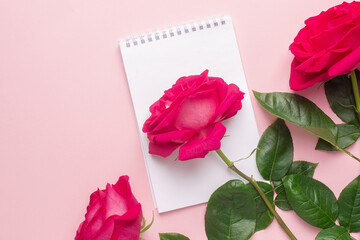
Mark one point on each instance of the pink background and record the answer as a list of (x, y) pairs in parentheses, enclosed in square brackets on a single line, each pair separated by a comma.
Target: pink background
[(67, 125)]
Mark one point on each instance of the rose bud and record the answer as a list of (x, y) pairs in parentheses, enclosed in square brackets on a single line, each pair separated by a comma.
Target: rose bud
[(112, 214)]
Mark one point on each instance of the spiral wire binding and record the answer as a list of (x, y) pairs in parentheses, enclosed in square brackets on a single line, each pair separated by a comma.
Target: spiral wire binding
[(172, 32)]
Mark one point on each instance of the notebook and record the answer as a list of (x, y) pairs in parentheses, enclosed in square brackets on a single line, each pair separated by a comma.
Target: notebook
[(153, 62)]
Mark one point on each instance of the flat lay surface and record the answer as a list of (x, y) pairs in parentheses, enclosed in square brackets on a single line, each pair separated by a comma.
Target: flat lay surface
[(67, 123)]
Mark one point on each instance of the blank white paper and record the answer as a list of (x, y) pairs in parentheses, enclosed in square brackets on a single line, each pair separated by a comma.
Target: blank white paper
[(153, 62)]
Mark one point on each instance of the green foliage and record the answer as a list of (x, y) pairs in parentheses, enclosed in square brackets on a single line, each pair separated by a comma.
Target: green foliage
[(231, 212), (334, 233), (172, 236), (282, 202), (340, 96), (299, 111), (297, 167), (275, 151), (235, 210), (313, 201), (263, 220), (349, 206), (348, 134), (302, 168), (263, 216)]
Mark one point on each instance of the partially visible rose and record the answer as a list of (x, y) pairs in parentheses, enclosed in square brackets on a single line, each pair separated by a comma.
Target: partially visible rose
[(112, 214), (189, 116), (328, 46)]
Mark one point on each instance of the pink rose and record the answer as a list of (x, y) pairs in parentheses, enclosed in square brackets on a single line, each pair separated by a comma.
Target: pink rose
[(328, 46), (112, 214), (189, 116)]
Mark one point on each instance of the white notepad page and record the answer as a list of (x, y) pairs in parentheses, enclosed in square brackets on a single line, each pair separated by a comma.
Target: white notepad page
[(153, 62)]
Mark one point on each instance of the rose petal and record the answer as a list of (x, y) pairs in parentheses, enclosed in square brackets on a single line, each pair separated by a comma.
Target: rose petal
[(203, 142), (347, 64), (93, 226), (230, 104), (301, 48), (304, 65), (133, 213), (338, 36), (327, 60), (164, 110), (122, 227), (159, 121), (220, 85), (163, 149), (196, 111), (299, 51), (180, 136), (94, 217), (184, 84), (233, 109), (320, 22), (106, 231), (119, 227), (122, 187), (114, 204), (94, 205), (300, 80), (78, 232)]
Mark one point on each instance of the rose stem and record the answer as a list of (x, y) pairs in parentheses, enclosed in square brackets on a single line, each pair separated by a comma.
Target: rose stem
[(231, 165), (356, 92), (348, 153)]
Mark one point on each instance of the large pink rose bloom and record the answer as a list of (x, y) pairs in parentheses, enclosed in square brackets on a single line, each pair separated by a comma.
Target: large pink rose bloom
[(112, 214), (189, 116), (328, 46)]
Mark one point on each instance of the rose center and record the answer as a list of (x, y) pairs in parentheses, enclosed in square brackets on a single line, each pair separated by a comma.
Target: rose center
[(195, 113)]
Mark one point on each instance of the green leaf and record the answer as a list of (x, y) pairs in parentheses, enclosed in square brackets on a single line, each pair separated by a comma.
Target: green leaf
[(349, 206), (348, 134), (302, 168), (263, 220), (334, 233), (281, 199), (172, 236), (340, 96), (313, 201), (269, 193), (275, 153), (278, 186), (263, 216), (297, 167), (231, 212), (282, 202), (299, 111)]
